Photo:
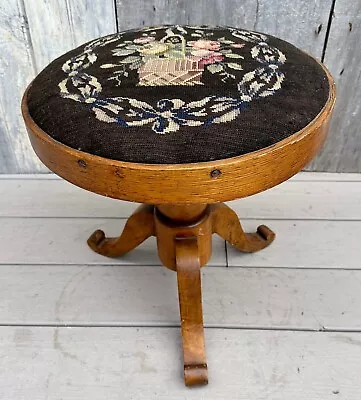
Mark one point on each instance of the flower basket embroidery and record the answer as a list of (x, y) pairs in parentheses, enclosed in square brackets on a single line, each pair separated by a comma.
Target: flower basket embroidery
[(163, 56), (171, 70)]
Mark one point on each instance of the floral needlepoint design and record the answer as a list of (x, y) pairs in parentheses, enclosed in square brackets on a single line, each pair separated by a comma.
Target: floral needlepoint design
[(175, 56), (202, 44), (144, 39)]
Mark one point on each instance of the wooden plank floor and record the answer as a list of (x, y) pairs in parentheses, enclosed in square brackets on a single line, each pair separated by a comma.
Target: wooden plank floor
[(284, 323)]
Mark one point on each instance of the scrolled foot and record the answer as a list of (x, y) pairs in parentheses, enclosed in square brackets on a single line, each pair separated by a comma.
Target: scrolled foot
[(226, 224), (266, 233), (196, 375), (139, 227), (95, 239)]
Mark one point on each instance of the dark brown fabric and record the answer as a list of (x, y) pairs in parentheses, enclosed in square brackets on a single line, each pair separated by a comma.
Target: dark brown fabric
[(260, 123)]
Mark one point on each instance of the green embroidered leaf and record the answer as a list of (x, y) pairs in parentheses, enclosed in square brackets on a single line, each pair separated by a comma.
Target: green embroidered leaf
[(234, 55), (214, 68), (235, 66), (130, 60), (226, 51)]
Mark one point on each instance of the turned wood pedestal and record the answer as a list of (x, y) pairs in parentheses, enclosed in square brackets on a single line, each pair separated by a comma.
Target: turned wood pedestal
[(184, 240)]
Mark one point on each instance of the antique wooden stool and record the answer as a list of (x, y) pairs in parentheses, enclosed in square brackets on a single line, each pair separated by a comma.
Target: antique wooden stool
[(180, 118)]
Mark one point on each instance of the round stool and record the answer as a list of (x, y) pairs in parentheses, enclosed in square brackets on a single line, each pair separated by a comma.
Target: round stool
[(180, 118)]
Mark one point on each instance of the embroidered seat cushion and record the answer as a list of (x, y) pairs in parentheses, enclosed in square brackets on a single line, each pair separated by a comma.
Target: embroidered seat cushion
[(178, 94)]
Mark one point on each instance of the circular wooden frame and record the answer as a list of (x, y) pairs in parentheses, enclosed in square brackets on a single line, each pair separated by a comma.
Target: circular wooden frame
[(203, 182)]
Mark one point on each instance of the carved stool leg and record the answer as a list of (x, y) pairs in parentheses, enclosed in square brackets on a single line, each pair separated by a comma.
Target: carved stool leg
[(184, 240), (190, 304), (139, 227), (226, 224)]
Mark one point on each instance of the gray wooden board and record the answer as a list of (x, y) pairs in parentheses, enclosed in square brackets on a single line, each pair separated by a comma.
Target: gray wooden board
[(63, 241), (122, 341), (31, 35), (104, 295), (145, 363), (294, 199), (315, 176), (342, 151), (304, 244), (16, 71), (308, 244), (274, 17), (57, 26)]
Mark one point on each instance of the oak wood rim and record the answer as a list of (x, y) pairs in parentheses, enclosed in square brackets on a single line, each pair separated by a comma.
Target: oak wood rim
[(203, 182)]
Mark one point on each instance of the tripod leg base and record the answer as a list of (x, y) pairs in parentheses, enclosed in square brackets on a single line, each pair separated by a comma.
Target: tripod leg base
[(184, 240)]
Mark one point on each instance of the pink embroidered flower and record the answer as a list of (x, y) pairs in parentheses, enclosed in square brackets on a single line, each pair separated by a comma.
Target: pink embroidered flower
[(205, 44), (144, 39), (210, 58), (237, 45), (201, 53)]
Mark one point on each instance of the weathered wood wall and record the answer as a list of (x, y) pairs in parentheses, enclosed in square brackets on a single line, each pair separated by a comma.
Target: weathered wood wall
[(343, 57), (33, 32)]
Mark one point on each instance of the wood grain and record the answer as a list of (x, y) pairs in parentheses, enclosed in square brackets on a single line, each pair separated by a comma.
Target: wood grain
[(342, 151), (308, 19), (16, 71), (184, 242), (47, 238), (299, 244), (57, 26), (226, 224), (30, 37), (33, 36), (302, 197), (113, 363), (114, 295), (191, 314), (198, 225), (278, 359), (138, 228), (184, 183), (302, 176), (305, 244)]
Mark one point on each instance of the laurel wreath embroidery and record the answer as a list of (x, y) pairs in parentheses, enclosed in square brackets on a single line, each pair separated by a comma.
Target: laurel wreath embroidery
[(168, 115)]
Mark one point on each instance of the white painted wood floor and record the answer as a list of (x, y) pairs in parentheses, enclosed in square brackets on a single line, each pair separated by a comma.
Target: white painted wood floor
[(284, 323)]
